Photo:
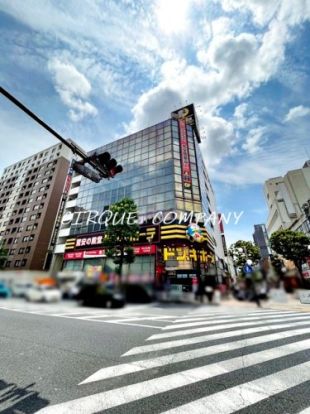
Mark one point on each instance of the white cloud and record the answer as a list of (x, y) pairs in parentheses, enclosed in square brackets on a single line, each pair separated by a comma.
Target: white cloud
[(254, 140), (172, 15), (73, 89), (297, 112), (263, 11), (219, 139), (240, 117)]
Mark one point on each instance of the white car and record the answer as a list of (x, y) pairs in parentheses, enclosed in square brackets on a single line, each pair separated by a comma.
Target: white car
[(19, 289), (43, 294)]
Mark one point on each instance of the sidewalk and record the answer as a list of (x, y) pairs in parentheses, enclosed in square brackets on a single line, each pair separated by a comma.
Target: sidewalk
[(283, 302)]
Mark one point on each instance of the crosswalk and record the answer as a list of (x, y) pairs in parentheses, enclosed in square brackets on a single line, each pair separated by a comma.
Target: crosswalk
[(207, 363), (132, 316)]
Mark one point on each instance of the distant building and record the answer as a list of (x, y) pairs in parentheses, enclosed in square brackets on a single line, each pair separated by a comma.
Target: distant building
[(30, 196), (285, 197), (261, 240)]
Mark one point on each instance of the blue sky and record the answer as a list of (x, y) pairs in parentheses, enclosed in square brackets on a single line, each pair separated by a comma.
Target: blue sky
[(97, 70)]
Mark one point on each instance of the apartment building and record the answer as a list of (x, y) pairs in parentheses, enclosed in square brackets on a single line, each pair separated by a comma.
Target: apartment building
[(30, 195)]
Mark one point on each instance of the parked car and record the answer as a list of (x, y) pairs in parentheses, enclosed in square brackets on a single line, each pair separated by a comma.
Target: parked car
[(94, 295), (19, 289), (43, 293), (5, 292)]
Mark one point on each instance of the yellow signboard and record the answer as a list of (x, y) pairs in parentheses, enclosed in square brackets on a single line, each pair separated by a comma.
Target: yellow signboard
[(185, 254)]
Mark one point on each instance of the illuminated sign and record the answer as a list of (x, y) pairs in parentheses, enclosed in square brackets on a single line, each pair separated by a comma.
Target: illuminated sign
[(147, 234), (89, 254), (185, 161), (185, 254), (89, 241)]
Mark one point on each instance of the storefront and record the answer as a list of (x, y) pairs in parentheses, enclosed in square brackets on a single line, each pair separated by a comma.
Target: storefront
[(163, 255)]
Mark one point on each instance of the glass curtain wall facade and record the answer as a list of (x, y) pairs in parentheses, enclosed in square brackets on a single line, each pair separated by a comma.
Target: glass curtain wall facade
[(151, 176)]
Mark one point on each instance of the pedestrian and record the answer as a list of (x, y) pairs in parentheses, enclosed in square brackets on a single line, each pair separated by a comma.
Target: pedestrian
[(250, 285)]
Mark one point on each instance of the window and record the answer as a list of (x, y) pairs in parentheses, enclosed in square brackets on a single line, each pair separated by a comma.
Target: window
[(31, 237), (29, 228), (27, 250), (12, 251), (33, 217), (17, 263), (25, 239), (23, 262), (21, 250)]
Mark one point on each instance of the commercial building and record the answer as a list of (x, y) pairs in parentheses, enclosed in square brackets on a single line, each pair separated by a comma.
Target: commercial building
[(163, 171), (261, 240), (30, 196), (285, 197)]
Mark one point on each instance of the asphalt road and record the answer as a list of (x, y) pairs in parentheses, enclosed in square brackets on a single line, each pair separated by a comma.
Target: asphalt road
[(177, 359)]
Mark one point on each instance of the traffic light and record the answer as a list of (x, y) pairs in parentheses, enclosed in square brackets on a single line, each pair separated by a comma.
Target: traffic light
[(103, 167), (109, 164)]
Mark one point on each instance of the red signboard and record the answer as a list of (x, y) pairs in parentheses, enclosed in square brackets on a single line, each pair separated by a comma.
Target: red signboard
[(88, 254), (73, 255), (185, 161), (147, 249)]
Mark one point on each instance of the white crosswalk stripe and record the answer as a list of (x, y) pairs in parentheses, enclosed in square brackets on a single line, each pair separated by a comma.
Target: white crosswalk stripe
[(220, 320), (266, 347), (241, 396), (211, 337), (136, 366)]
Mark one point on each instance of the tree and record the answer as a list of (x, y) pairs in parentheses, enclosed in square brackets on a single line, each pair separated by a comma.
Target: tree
[(3, 254), (121, 232), (292, 245), (243, 250)]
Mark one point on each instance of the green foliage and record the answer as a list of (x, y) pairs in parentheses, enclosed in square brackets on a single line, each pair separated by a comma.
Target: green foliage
[(249, 251), (121, 232), (292, 245), (3, 255)]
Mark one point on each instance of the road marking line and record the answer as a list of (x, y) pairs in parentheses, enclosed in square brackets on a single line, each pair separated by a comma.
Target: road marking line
[(244, 395), (123, 395), (218, 328), (136, 366), (217, 321), (210, 337), (217, 317)]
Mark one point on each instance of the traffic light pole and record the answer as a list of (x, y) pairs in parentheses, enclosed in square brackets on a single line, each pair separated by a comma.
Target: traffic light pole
[(70, 144)]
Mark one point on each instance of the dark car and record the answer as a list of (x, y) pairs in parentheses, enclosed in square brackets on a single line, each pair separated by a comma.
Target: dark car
[(95, 295)]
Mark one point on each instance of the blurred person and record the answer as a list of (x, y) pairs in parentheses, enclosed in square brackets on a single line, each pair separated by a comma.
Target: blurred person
[(250, 282)]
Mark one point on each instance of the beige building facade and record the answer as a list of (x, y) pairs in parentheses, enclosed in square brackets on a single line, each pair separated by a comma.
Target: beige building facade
[(285, 197)]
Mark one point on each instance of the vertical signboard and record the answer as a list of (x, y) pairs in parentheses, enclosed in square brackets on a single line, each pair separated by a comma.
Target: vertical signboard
[(185, 162)]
